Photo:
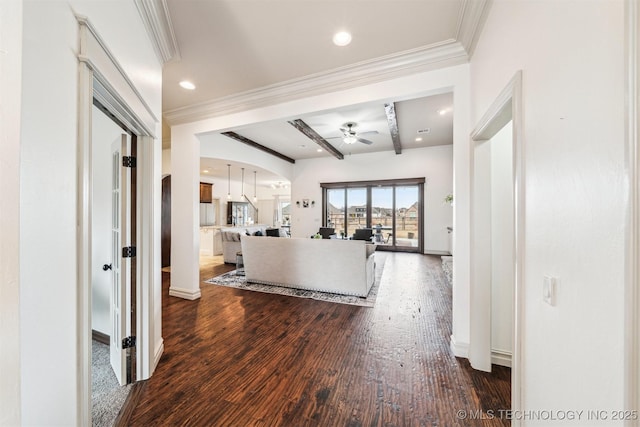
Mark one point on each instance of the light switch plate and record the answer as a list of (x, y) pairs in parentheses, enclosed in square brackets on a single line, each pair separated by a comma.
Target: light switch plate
[(549, 290)]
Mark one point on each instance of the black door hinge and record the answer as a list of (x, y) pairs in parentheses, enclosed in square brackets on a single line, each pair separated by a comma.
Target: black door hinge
[(128, 342), (129, 252), (129, 161)]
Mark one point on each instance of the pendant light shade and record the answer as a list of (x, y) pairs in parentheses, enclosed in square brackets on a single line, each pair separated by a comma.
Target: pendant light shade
[(242, 188), (228, 181), (255, 195)]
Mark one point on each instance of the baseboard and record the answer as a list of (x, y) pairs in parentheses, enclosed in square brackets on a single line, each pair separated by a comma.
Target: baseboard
[(157, 355), (459, 349), (124, 416), (501, 358), (184, 293), (431, 252), (100, 337)]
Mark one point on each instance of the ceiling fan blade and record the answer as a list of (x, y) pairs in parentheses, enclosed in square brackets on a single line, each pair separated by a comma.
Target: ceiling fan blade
[(334, 137), (364, 141), (369, 132)]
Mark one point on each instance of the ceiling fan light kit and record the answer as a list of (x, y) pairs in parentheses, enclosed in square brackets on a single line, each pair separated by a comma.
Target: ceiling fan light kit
[(349, 139)]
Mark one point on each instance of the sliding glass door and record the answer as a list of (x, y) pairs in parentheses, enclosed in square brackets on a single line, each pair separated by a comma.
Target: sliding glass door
[(356, 210), (382, 215), (406, 231), (390, 209)]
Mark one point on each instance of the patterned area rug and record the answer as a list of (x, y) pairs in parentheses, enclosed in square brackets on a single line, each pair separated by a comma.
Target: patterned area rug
[(231, 280)]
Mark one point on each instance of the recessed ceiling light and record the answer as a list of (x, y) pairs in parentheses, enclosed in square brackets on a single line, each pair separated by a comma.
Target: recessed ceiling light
[(443, 111), (319, 150), (418, 139), (206, 171), (341, 38), (187, 85)]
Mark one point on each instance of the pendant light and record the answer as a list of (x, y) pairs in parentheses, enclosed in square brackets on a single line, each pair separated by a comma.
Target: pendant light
[(228, 181), (242, 188), (255, 195)]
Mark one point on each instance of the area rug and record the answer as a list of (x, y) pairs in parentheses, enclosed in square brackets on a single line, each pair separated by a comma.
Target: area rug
[(232, 280)]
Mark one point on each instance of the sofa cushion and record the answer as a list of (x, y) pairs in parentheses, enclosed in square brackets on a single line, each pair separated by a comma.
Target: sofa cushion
[(230, 236)]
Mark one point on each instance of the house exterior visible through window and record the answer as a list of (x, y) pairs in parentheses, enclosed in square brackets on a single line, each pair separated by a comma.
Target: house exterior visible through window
[(392, 209)]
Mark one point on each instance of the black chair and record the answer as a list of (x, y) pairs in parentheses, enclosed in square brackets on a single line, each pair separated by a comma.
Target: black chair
[(326, 232), (363, 234), (273, 232)]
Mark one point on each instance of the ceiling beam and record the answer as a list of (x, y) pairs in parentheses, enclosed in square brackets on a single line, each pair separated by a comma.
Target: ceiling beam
[(313, 135), (254, 144), (390, 111)]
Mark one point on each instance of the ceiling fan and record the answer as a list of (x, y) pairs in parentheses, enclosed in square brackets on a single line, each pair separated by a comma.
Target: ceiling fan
[(350, 136)]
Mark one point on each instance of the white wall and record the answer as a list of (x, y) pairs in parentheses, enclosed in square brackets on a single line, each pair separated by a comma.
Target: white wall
[(571, 54), (48, 203), (104, 133), (502, 241), (166, 162), (10, 87), (433, 163)]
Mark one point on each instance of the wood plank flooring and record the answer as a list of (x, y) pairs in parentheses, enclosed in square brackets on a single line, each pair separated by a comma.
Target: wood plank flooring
[(242, 358)]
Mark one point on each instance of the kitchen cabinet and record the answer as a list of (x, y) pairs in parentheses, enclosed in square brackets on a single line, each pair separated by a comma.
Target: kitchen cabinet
[(210, 241), (206, 192)]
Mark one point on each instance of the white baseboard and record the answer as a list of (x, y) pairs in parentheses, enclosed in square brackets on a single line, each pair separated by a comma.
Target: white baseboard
[(433, 252), (459, 349), (184, 293), (498, 357), (501, 358), (157, 354)]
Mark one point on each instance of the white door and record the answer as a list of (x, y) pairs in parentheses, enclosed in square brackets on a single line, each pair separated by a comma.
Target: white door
[(120, 232)]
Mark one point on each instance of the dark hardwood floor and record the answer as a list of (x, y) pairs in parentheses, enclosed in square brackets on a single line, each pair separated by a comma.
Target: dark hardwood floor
[(242, 358)]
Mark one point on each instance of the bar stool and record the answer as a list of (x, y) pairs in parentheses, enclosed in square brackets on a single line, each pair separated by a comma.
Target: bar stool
[(239, 264)]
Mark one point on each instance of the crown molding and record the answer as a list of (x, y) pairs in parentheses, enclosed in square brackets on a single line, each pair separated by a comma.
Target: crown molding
[(157, 21), (426, 58), (473, 14)]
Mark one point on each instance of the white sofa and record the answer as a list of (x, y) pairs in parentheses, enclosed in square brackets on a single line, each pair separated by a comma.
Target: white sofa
[(328, 265), (231, 239)]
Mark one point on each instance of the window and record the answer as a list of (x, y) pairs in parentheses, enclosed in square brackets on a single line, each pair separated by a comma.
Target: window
[(390, 208)]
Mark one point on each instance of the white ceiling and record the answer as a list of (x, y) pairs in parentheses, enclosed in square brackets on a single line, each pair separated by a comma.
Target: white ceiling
[(232, 47)]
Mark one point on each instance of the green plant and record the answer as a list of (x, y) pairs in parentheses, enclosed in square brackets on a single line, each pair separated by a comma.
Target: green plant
[(449, 198)]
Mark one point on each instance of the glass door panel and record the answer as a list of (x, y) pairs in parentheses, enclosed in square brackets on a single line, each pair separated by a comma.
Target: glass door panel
[(382, 215), (356, 210), (335, 210), (407, 213)]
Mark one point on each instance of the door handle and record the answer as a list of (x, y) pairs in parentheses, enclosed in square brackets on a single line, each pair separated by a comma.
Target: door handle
[(106, 267)]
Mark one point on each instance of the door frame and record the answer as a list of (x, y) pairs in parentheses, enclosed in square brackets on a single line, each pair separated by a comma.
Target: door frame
[(632, 244), (100, 76), (507, 106)]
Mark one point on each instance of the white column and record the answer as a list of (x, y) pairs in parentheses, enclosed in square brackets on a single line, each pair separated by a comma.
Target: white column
[(185, 232), (461, 219), (10, 93)]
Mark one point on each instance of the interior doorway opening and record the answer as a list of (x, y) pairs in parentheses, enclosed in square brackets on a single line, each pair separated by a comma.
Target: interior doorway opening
[(507, 108), (113, 284)]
